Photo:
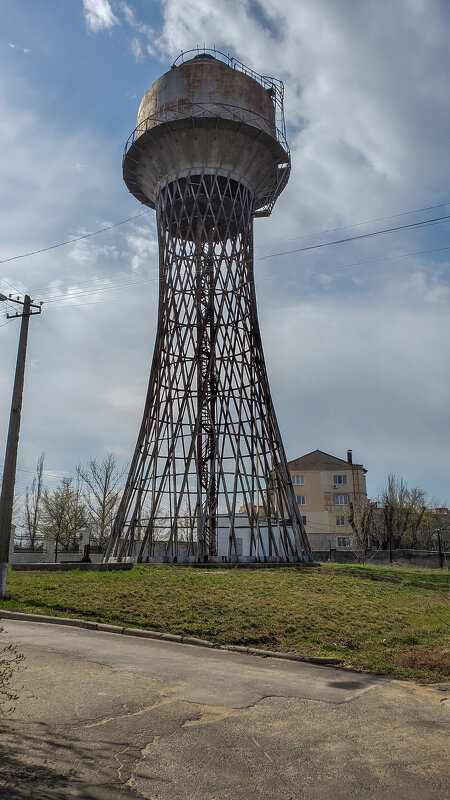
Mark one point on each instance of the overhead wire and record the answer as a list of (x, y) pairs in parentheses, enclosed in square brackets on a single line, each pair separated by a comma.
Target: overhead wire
[(440, 220), (11, 286), (357, 224), (136, 216), (270, 244), (66, 298), (6, 323), (411, 225), (47, 472), (60, 295), (143, 213), (75, 239), (112, 288), (65, 302), (437, 220)]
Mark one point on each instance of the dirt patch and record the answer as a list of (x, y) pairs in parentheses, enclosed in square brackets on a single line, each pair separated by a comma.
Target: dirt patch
[(419, 658)]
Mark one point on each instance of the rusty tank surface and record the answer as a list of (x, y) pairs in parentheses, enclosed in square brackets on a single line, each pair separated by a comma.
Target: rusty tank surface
[(214, 114)]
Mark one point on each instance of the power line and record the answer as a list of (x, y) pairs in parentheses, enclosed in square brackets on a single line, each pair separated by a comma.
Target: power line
[(9, 284), (124, 273), (357, 224), (113, 288), (6, 323), (51, 474), (71, 241), (129, 219), (411, 225), (155, 266), (369, 261), (437, 220), (260, 280), (102, 302)]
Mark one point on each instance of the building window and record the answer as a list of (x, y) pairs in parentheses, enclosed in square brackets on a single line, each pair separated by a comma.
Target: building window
[(341, 521), (301, 500), (238, 546), (341, 500), (339, 480), (343, 541), (298, 480), (304, 520)]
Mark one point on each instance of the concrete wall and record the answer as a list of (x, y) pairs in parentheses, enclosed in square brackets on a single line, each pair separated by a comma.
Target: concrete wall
[(416, 558), (24, 557), (47, 554)]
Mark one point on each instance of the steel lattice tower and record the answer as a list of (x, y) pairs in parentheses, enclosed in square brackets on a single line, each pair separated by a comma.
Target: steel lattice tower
[(209, 154)]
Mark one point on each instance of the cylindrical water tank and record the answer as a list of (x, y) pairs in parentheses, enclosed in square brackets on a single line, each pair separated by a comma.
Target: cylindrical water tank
[(205, 116), (206, 85)]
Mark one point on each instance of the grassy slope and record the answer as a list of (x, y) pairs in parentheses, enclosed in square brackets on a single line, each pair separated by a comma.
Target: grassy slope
[(390, 620)]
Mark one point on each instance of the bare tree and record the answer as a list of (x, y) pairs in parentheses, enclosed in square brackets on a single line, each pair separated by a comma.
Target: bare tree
[(33, 496), (102, 486), (63, 515), (187, 528), (427, 535), (403, 512), (360, 517)]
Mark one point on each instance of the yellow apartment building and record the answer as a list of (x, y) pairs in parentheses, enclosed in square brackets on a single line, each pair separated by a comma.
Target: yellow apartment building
[(324, 485)]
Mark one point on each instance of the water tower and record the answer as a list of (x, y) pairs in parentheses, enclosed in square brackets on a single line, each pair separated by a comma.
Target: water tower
[(209, 475)]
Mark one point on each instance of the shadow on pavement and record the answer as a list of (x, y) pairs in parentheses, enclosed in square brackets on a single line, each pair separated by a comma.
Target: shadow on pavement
[(347, 685), (44, 764)]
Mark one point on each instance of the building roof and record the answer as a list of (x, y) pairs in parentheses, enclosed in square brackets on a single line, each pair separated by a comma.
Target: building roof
[(319, 460)]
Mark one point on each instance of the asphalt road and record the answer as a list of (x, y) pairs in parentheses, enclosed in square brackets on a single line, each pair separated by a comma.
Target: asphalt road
[(103, 716)]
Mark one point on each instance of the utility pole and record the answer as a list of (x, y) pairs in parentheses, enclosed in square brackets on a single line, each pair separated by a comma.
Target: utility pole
[(12, 443)]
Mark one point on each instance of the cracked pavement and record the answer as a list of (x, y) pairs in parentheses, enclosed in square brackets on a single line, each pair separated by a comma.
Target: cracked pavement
[(102, 717)]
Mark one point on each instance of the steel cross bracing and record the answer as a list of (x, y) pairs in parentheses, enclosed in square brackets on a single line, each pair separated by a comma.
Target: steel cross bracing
[(209, 458)]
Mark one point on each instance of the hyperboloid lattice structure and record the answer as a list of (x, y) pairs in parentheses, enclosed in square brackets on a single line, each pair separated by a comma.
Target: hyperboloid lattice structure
[(209, 476)]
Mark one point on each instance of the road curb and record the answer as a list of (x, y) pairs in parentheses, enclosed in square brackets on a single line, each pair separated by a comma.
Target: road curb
[(142, 633)]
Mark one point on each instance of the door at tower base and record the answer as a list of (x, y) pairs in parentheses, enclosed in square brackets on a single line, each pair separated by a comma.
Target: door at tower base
[(243, 547)]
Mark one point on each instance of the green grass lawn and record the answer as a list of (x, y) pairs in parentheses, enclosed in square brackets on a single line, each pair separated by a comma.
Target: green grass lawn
[(390, 620)]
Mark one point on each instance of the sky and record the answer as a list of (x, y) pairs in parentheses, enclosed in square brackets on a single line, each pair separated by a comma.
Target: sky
[(356, 334)]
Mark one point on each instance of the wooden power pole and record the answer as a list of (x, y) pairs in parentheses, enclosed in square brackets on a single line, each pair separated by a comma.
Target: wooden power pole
[(12, 443)]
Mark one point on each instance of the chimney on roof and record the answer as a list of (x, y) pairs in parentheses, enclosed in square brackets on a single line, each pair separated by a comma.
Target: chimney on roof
[(349, 457)]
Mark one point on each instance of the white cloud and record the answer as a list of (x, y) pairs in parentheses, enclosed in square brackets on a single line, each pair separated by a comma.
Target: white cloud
[(430, 288), (23, 49), (137, 25), (89, 251), (142, 247), (144, 40), (368, 375), (367, 120), (356, 358), (99, 15), (136, 50)]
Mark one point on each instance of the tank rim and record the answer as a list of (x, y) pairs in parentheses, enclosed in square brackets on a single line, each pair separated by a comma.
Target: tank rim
[(263, 203)]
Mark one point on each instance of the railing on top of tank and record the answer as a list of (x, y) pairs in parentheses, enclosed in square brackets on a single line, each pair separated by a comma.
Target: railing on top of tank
[(198, 110), (272, 85)]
